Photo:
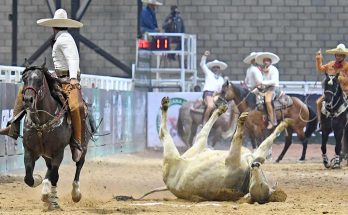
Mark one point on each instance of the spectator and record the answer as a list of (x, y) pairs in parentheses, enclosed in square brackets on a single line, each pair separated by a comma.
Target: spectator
[(174, 23), (148, 20)]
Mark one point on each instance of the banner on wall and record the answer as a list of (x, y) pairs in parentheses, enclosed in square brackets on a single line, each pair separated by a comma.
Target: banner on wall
[(176, 100)]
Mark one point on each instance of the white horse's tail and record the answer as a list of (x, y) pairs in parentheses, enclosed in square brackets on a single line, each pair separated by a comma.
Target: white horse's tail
[(125, 198)]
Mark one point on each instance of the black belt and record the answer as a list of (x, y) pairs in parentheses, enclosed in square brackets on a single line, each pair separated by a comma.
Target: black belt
[(65, 73), (62, 73)]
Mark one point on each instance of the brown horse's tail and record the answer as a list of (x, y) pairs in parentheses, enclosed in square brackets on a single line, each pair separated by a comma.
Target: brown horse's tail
[(312, 124)]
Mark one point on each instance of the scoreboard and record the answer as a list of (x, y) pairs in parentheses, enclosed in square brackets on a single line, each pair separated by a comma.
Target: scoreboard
[(156, 44)]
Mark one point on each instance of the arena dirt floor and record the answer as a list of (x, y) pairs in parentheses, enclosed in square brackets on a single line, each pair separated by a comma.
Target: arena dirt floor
[(311, 188)]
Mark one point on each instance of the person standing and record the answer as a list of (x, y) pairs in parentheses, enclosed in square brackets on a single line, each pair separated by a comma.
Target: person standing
[(213, 82), (148, 20), (174, 23), (270, 82)]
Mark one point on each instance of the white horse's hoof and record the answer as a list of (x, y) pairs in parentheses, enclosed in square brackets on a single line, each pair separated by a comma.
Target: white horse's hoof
[(46, 190), (76, 193), (37, 180)]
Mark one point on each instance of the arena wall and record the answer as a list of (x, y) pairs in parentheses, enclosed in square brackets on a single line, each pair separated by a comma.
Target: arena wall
[(123, 131), (294, 29)]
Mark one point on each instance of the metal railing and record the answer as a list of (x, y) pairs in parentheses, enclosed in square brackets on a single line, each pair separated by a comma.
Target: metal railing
[(289, 87), (13, 74), (151, 70)]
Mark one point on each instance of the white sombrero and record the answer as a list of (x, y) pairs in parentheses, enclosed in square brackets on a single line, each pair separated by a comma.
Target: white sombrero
[(218, 63), (151, 2), (250, 57), (60, 20), (340, 49), (262, 55)]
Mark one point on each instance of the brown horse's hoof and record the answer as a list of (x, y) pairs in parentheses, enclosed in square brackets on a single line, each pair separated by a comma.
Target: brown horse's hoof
[(76, 193), (54, 207), (37, 180), (77, 198)]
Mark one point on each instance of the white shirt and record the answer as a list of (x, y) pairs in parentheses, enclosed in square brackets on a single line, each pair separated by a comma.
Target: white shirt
[(271, 78), (253, 77), (65, 54), (212, 82)]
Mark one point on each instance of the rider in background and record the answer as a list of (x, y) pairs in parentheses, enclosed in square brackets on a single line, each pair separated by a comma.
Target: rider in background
[(270, 82), (253, 76), (213, 82), (338, 66)]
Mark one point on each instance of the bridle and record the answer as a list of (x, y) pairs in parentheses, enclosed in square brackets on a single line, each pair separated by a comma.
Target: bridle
[(330, 105), (38, 93)]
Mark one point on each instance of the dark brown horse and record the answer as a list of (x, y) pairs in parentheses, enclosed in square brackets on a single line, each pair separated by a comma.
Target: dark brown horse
[(303, 116), (47, 131)]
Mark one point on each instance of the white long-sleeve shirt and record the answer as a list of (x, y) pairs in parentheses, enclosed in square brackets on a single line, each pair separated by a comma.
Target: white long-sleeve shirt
[(253, 77), (212, 82), (65, 54), (271, 78)]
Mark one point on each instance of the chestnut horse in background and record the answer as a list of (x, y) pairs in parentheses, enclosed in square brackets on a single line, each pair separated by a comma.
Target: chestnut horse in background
[(303, 116)]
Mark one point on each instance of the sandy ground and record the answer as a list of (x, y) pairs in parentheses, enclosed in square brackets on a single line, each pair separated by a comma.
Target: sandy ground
[(311, 188)]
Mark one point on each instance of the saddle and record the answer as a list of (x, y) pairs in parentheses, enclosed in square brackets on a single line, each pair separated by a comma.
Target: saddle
[(281, 101), (198, 107), (59, 95)]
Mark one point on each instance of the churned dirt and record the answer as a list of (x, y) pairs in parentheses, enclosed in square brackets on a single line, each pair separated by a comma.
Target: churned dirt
[(311, 188)]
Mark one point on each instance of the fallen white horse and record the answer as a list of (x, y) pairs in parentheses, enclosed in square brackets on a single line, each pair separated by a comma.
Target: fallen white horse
[(202, 174)]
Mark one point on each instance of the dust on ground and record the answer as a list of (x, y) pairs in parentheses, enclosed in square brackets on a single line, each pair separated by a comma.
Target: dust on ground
[(311, 188)]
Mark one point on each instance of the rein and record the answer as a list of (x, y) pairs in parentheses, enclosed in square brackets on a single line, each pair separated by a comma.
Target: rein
[(49, 125), (306, 103)]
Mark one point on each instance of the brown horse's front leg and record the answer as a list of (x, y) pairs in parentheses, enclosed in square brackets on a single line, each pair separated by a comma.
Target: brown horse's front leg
[(53, 199), (29, 162), (76, 193)]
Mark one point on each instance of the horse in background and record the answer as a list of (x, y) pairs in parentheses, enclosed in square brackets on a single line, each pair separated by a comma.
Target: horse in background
[(191, 116), (303, 116), (47, 131), (333, 119)]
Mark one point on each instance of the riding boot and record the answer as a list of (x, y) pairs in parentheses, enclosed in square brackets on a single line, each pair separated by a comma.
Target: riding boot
[(270, 116), (77, 113), (13, 126)]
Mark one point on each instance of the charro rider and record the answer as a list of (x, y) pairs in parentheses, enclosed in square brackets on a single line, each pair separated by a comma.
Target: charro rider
[(270, 82), (253, 76), (213, 82), (338, 66), (66, 63)]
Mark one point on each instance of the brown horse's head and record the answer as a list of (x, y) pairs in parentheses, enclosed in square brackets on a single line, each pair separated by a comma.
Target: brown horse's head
[(227, 92), (33, 78)]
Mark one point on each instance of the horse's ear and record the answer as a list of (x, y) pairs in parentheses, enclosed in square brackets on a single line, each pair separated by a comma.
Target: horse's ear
[(227, 83), (336, 76), (44, 63), (326, 74), (26, 63)]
